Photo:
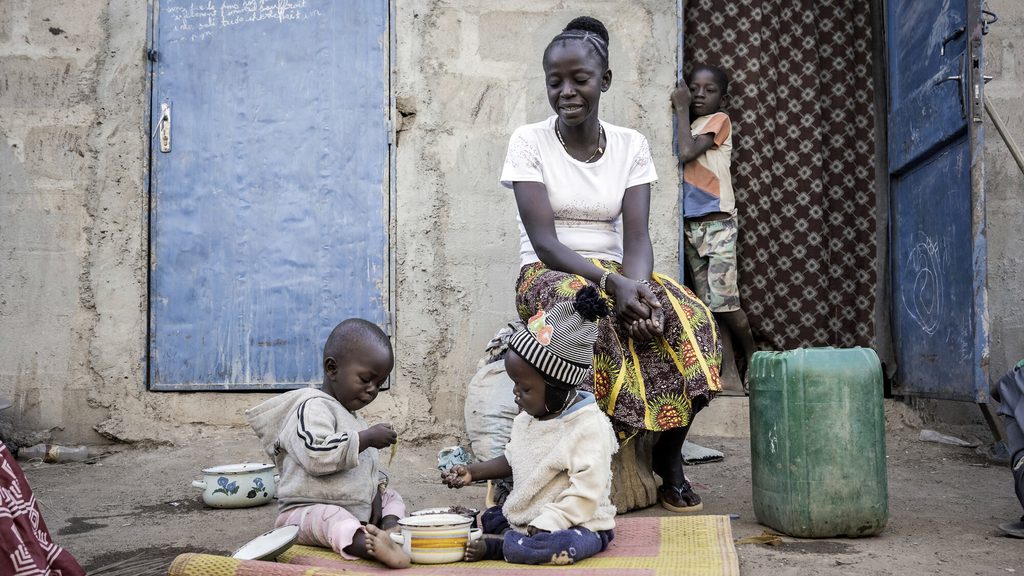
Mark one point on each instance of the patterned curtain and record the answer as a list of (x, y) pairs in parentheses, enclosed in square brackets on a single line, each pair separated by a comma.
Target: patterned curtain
[(802, 105)]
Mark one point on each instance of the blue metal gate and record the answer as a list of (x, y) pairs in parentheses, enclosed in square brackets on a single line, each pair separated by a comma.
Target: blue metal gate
[(937, 200), (269, 193)]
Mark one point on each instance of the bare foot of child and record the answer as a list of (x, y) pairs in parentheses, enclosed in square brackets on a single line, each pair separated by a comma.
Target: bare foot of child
[(383, 549)]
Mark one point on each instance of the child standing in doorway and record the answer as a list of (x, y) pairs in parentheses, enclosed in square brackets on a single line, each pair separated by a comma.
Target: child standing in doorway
[(560, 448), (331, 485), (709, 206)]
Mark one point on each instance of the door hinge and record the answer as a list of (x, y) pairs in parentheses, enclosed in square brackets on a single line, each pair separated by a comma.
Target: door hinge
[(152, 55)]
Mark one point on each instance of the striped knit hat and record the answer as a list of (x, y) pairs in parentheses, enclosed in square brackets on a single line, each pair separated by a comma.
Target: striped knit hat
[(559, 342)]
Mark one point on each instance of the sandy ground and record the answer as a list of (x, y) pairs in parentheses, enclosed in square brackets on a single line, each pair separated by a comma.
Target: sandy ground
[(132, 511)]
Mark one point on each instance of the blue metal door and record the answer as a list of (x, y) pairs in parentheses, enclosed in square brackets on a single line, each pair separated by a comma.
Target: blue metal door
[(269, 192), (937, 201)]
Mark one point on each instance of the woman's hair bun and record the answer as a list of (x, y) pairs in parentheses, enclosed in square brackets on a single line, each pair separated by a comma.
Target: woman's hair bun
[(590, 304), (588, 24)]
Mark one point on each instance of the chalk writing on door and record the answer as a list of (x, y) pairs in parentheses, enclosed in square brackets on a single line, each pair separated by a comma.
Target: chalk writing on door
[(199, 20), (922, 287)]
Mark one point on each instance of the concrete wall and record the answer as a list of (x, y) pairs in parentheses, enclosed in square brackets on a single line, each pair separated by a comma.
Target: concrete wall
[(1004, 61), (72, 234), (73, 205)]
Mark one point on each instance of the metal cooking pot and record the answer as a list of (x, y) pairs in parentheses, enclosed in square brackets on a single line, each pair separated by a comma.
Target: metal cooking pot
[(238, 485)]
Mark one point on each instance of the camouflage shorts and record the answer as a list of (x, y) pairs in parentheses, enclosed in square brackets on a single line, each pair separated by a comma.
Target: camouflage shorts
[(711, 254)]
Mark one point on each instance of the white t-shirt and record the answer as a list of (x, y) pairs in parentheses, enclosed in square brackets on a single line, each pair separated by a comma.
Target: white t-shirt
[(586, 197)]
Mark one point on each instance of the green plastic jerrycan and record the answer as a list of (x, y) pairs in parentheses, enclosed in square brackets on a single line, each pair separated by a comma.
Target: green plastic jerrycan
[(817, 442)]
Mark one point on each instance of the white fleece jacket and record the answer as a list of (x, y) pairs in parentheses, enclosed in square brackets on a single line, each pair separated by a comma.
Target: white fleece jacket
[(561, 471), (314, 441)]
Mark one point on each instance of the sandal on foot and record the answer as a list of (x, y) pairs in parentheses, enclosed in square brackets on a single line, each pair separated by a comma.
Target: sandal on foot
[(679, 498)]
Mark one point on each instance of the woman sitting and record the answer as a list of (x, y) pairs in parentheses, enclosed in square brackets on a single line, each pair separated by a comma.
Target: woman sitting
[(582, 188)]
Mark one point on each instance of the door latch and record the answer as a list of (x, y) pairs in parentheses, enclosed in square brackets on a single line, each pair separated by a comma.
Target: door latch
[(165, 127), (960, 86)]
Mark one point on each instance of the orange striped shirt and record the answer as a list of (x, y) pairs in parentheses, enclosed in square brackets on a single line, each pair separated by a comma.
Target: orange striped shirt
[(707, 183)]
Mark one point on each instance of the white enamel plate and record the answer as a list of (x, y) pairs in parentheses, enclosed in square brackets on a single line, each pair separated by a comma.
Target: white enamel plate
[(270, 545)]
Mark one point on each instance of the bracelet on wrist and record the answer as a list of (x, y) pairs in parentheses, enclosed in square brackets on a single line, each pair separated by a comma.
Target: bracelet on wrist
[(604, 281)]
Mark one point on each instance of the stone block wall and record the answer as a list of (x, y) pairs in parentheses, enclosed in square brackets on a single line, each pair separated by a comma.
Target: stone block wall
[(1004, 186)]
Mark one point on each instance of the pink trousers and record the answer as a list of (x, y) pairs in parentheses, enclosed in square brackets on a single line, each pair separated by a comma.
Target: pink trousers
[(332, 526)]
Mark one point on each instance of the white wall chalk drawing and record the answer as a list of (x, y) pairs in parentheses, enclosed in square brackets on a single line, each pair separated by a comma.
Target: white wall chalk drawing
[(923, 297), (204, 18)]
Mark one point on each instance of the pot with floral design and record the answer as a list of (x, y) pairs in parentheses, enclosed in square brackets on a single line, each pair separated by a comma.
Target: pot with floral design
[(238, 485)]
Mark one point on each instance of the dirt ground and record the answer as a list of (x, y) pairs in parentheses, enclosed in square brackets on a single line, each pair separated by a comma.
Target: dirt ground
[(133, 511)]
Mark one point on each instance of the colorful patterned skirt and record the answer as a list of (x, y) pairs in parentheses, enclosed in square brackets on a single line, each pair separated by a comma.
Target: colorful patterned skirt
[(640, 385)]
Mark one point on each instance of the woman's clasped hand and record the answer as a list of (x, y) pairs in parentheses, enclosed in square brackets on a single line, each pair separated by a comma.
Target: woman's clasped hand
[(636, 307)]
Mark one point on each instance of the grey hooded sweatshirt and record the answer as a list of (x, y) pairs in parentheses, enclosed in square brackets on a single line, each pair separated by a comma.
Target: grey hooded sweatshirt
[(314, 441)]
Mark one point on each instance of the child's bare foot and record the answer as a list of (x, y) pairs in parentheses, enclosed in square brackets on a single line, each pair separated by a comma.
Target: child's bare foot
[(380, 546)]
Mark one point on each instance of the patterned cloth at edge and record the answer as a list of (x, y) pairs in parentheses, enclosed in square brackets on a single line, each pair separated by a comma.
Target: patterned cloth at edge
[(801, 99), (26, 547), (641, 385)]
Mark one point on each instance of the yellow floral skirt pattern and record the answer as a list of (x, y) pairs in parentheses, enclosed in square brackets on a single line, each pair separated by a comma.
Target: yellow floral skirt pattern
[(640, 385)]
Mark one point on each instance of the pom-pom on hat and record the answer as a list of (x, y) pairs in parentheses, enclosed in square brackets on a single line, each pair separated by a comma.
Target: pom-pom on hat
[(559, 342)]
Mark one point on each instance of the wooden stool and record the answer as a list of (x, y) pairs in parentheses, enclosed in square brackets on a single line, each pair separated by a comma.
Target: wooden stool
[(633, 483)]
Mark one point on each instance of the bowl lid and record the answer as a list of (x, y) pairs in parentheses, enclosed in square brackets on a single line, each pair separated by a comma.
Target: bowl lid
[(268, 545), (435, 521), (238, 468)]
